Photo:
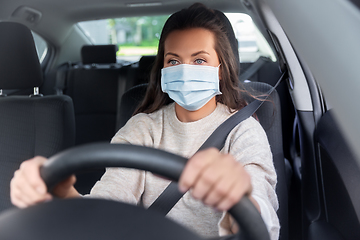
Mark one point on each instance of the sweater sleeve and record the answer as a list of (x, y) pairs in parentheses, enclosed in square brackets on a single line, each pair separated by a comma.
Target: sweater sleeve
[(123, 184), (249, 145)]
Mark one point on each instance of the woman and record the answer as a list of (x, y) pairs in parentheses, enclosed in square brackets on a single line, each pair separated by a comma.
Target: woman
[(196, 68)]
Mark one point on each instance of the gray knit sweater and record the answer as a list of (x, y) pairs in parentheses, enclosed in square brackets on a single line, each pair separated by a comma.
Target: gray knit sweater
[(247, 143)]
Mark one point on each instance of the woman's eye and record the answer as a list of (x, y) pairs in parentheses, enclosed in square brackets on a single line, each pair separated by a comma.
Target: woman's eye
[(199, 61), (172, 62)]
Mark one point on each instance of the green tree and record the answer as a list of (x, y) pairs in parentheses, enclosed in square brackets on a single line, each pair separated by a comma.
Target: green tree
[(144, 31), (113, 35)]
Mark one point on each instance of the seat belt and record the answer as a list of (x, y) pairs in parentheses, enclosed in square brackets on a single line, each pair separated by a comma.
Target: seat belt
[(248, 73), (171, 195), (61, 75), (122, 80)]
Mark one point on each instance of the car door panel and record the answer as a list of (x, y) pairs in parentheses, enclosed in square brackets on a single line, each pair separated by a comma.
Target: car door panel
[(339, 177)]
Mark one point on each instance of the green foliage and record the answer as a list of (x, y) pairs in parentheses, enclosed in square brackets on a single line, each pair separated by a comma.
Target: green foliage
[(140, 31), (111, 23), (154, 43)]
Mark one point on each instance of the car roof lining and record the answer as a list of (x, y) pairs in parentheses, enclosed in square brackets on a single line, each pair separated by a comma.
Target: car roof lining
[(61, 15)]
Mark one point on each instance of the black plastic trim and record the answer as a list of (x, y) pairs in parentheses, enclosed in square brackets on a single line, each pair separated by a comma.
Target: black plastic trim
[(309, 176)]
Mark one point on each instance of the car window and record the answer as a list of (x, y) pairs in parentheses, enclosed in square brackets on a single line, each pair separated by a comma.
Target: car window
[(135, 36), (252, 43), (41, 46), (139, 36)]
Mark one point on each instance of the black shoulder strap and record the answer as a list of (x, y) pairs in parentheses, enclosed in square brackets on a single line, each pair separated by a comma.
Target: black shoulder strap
[(61, 75), (122, 85), (171, 195)]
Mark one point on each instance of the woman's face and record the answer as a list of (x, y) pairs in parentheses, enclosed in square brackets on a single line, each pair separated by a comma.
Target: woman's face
[(191, 46)]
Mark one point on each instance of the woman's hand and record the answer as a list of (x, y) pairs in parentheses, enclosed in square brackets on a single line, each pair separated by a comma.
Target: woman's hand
[(27, 188), (216, 179)]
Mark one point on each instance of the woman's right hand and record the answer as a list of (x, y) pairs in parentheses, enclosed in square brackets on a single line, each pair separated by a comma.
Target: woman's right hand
[(27, 188)]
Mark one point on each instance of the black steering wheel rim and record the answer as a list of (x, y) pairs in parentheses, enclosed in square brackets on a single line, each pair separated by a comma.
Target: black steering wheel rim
[(163, 163)]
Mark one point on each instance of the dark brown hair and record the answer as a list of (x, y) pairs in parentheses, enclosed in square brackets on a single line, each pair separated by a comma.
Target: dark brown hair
[(197, 16)]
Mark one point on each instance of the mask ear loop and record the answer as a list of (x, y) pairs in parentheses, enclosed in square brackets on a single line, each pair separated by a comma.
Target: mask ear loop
[(219, 70)]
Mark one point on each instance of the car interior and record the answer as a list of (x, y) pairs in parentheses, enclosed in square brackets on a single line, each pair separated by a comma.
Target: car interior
[(76, 92)]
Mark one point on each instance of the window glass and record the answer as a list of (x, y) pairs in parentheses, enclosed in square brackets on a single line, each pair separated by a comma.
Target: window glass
[(252, 43), (41, 46), (135, 36), (138, 36)]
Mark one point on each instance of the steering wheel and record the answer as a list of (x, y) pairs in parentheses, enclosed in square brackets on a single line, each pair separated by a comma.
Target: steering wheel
[(87, 218)]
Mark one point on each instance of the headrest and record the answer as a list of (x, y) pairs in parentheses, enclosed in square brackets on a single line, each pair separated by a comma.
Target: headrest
[(230, 34), (98, 54), (146, 62), (20, 67)]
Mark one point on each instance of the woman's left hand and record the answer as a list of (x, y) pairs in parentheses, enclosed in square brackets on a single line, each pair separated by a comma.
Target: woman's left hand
[(216, 179)]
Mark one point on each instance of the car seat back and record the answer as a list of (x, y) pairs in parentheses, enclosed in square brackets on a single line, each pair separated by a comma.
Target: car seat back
[(94, 86), (29, 125)]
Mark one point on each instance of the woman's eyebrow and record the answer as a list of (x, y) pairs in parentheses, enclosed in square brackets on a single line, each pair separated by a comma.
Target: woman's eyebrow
[(200, 52), (170, 53), (193, 55)]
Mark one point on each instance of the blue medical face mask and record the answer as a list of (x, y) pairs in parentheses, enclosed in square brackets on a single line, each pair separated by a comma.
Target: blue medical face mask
[(190, 86)]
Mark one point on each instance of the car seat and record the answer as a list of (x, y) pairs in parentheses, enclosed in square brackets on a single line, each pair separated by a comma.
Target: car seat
[(29, 125), (93, 86)]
